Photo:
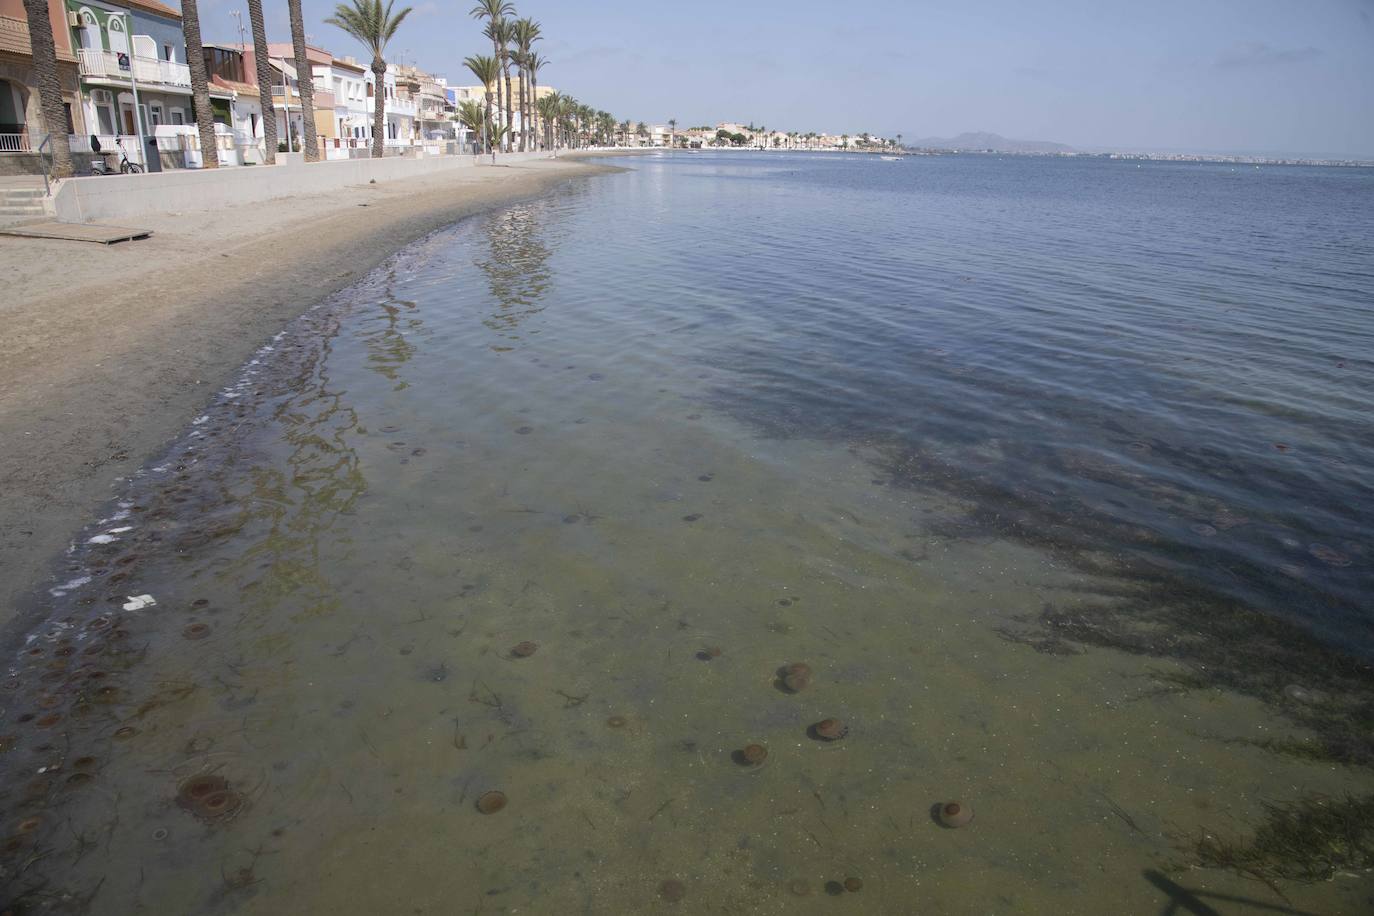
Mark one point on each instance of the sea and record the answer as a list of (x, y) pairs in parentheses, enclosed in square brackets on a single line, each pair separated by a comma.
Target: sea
[(750, 533)]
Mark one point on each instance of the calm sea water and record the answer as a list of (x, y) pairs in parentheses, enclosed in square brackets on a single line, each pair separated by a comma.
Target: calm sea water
[(1056, 474)]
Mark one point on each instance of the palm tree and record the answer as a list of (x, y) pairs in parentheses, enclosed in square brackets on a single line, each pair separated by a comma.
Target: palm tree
[(493, 11), (472, 116), (899, 141), (305, 82), (672, 132), (525, 32), (265, 80), (534, 62), (506, 31), (372, 26), (200, 84), (485, 69), (548, 116), (641, 131), (49, 86)]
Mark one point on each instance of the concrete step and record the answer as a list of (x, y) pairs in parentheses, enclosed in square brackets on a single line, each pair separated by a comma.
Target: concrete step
[(23, 211), (20, 193)]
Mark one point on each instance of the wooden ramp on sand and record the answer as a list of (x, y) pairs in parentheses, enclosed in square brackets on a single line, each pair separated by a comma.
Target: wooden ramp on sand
[(76, 232)]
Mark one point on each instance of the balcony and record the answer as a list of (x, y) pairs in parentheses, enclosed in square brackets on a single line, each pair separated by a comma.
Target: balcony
[(404, 108), (15, 143), (14, 37), (108, 65)]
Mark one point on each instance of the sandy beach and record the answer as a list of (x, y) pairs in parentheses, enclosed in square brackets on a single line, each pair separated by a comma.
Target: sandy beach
[(109, 351)]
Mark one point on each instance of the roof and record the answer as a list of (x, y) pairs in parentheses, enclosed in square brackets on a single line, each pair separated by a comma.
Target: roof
[(152, 6), (345, 65)]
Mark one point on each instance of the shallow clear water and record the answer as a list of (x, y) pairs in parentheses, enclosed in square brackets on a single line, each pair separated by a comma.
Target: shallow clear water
[(1055, 472)]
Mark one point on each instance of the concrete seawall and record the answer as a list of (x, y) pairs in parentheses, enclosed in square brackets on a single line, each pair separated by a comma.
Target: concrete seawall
[(117, 197)]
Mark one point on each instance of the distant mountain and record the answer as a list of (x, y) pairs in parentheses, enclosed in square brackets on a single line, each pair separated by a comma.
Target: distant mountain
[(981, 140)]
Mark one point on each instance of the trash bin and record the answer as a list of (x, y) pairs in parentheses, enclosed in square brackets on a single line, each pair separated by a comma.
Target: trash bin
[(152, 161)]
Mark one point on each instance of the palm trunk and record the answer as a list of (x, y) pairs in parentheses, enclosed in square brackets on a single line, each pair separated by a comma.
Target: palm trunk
[(524, 111), (200, 85), (305, 82), (510, 122), (49, 86), (487, 139), (379, 109), (496, 53), (533, 111), (265, 80)]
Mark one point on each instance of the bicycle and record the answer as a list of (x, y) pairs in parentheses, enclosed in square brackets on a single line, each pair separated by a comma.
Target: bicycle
[(101, 167)]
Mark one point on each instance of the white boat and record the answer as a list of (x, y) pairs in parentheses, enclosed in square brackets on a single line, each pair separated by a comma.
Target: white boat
[(891, 158)]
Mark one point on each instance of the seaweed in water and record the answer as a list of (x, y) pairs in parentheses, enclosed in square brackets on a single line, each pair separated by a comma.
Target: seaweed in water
[(1307, 840), (1232, 647)]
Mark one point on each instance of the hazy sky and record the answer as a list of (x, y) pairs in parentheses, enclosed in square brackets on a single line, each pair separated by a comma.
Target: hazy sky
[(1292, 76)]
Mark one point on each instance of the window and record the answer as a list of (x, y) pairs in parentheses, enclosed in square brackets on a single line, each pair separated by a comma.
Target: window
[(104, 110), (178, 117), (67, 108), (88, 36), (169, 53), (155, 111)]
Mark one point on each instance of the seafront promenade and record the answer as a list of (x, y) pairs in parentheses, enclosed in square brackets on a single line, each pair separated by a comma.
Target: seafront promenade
[(110, 355)]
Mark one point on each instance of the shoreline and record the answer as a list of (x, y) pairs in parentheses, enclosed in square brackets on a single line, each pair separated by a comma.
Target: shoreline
[(108, 358)]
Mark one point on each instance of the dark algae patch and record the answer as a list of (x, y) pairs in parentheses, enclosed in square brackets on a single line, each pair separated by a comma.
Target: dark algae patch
[(1308, 840)]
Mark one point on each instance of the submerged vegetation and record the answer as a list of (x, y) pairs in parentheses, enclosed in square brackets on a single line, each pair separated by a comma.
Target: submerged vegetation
[(1308, 840), (1142, 608)]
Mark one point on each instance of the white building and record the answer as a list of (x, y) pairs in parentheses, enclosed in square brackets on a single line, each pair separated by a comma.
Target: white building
[(399, 112)]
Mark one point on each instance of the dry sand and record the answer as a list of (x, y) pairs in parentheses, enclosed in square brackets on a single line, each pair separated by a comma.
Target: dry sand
[(108, 352)]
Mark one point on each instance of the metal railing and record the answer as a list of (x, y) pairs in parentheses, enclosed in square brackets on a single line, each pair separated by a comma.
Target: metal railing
[(112, 65), (15, 143)]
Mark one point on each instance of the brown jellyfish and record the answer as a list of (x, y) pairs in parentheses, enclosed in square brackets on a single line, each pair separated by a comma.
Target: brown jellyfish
[(853, 885), (955, 814), (753, 754), (196, 631), (218, 804), (491, 802), (709, 653), (796, 683), (672, 890), (830, 729), (524, 649), (209, 797)]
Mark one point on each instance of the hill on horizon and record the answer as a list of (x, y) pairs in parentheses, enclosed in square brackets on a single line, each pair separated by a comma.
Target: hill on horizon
[(982, 140)]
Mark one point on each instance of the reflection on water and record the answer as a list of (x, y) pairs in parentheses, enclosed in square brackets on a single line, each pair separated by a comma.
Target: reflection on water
[(689, 582), (517, 267)]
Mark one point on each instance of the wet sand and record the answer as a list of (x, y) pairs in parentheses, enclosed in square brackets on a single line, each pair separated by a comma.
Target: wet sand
[(108, 352)]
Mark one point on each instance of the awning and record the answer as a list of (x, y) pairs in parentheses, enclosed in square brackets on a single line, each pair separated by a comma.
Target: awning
[(282, 65)]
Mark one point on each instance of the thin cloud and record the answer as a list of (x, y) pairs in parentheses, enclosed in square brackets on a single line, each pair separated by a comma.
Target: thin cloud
[(1256, 54)]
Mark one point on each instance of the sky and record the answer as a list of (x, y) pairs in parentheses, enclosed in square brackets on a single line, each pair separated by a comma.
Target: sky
[(1291, 77)]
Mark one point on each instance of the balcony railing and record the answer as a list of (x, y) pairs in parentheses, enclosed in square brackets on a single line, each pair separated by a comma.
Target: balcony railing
[(15, 143), (110, 65)]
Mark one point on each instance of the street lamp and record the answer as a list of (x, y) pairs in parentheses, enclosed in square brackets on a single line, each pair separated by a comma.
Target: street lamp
[(133, 79)]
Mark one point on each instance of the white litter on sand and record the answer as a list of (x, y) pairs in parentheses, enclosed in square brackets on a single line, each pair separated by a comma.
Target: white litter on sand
[(68, 586), (139, 602), (101, 539)]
